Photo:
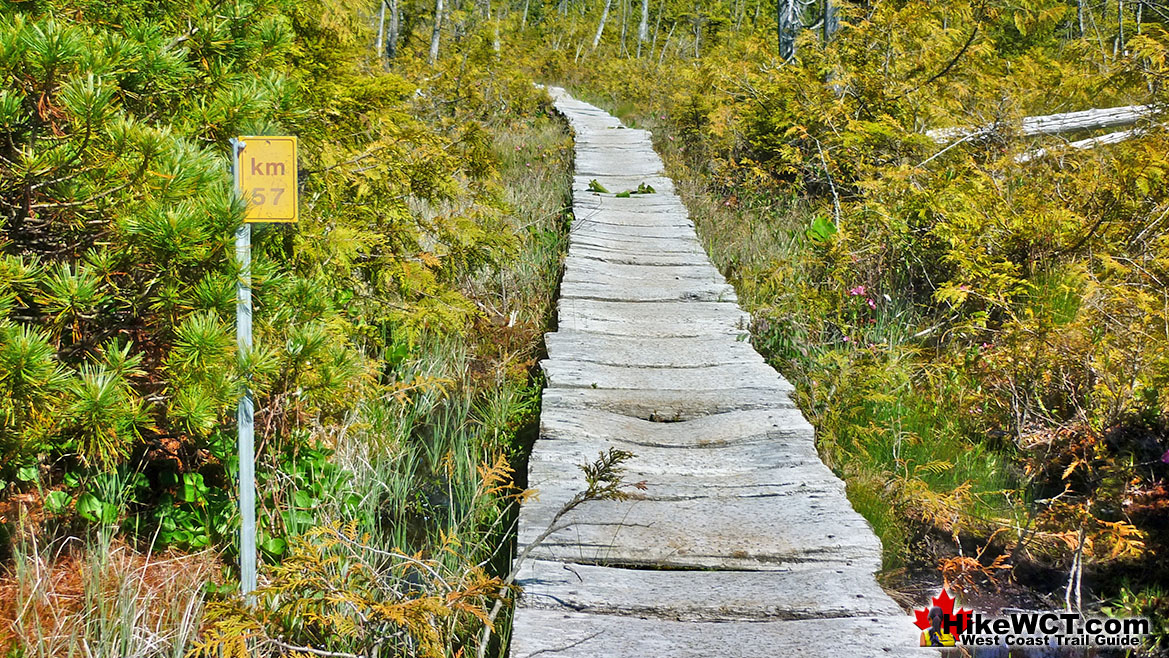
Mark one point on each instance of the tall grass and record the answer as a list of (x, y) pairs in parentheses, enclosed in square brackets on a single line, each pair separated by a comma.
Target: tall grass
[(897, 428), (411, 463), (102, 599)]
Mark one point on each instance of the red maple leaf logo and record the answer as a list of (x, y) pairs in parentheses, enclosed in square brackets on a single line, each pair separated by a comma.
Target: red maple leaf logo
[(946, 603)]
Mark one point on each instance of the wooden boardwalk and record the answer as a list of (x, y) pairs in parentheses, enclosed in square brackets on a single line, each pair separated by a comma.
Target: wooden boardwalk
[(744, 543)]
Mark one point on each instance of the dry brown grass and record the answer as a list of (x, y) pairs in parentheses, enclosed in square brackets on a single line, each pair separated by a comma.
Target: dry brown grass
[(103, 598)]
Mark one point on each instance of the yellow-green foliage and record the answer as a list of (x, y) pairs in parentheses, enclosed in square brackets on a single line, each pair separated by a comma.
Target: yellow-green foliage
[(971, 335), (395, 325), (335, 589)]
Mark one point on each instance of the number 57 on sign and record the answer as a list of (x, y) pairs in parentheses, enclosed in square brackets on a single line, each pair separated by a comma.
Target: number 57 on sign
[(267, 178)]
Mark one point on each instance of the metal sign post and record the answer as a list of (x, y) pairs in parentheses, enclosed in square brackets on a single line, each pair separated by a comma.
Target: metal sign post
[(267, 181)]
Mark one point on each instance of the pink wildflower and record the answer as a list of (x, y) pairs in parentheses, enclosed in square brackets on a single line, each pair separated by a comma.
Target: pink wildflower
[(857, 291), (872, 304)]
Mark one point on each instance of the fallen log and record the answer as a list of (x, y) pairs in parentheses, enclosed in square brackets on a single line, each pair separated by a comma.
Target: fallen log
[(1055, 124), (1091, 142)]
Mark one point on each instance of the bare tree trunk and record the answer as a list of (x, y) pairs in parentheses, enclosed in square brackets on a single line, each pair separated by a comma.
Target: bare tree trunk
[(524, 18), (787, 27), (831, 21), (643, 26), (657, 27), (1118, 46), (395, 28), (666, 45), (1096, 29), (1080, 15), (755, 18), (380, 47), (494, 28), (600, 26), (434, 36), (624, 25)]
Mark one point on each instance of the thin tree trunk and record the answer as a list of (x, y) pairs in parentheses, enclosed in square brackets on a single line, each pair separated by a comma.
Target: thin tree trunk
[(381, 32), (787, 26), (643, 26), (697, 37), (494, 28), (666, 45), (395, 28), (1080, 15), (657, 28), (755, 18), (434, 36), (831, 22), (524, 18), (1118, 47), (624, 25), (600, 26)]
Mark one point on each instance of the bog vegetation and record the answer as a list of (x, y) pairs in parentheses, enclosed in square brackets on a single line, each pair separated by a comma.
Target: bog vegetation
[(396, 325), (979, 335), (982, 342)]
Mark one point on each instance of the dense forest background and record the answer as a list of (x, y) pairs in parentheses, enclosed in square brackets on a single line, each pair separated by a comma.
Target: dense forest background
[(981, 339)]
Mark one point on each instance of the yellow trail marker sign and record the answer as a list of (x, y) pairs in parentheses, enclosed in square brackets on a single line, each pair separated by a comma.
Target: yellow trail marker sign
[(267, 178)]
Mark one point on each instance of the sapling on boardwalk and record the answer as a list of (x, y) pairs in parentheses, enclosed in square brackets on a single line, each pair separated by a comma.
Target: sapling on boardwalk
[(604, 481)]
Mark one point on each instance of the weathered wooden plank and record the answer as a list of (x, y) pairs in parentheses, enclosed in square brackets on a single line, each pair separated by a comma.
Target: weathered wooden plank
[(596, 229), (579, 266), (653, 318), (618, 241), (582, 635), (797, 528), (639, 351), (563, 373), (702, 595), (660, 291), (667, 405), (627, 217), (626, 257), (757, 540)]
